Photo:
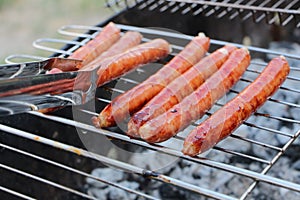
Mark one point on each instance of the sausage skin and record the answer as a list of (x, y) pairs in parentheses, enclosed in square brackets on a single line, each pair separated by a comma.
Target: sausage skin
[(118, 65), (92, 49), (127, 41), (197, 103), (132, 100), (179, 88), (223, 122)]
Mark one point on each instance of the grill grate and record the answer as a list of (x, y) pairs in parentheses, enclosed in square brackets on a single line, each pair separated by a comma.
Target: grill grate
[(209, 160), (280, 12)]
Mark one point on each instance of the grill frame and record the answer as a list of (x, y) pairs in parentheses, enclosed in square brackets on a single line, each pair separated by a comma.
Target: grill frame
[(57, 117), (272, 12)]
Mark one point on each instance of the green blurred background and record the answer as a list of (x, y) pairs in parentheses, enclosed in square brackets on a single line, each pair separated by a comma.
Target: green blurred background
[(23, 21)]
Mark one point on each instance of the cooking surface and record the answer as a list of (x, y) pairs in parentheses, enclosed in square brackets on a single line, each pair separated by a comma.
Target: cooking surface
[(71, 126), (54, 154)]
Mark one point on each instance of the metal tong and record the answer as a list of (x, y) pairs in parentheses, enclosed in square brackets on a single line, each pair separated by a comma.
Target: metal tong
[(26, 86)]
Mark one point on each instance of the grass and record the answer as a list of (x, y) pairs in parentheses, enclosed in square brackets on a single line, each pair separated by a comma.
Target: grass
[(22, 22), (4, 3)]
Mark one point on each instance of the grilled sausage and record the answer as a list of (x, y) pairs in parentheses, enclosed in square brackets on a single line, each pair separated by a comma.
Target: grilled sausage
[(197, 103), (108, 36), (111, 68), (127, 41), (132, 100), (179, 88), (223, 122), (116, 66)]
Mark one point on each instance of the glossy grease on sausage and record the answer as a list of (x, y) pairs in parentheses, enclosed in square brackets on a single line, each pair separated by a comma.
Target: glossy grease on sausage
[(197, 103), (95, 47), (223, 122), (132, 100), (118, 65), (179, 88), (128, 40)]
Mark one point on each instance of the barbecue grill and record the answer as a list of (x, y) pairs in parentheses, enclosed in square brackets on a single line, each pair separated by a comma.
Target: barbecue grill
[(52, 155)]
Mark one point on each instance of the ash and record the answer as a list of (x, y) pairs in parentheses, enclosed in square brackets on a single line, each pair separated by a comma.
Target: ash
[(287, 167)]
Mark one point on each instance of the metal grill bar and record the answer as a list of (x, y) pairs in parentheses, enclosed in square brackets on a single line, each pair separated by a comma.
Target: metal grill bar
[(245, 123), (106, 160), (274, 160), (174, 152), (238, 12), (45, 181), (278, 12), (249, 124), (16, 193), (238, 153), (76, 171), (160, 33), (261, 7), (257, 177), (255, 142)]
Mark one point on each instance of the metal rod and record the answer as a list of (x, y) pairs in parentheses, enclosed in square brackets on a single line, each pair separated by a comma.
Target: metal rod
[(289, 5), (23, 196), (274, 160), (272, 99), (240, 6), (45, 181), (111, 162), (255, 142), (76, 171), (176, 35), (225, 167), (173, 152), (219, 104), (234, 152), (239, 11)]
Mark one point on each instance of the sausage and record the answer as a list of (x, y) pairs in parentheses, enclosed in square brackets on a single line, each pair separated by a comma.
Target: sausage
[(118, 65), (108, 36), (197, 103), (179, 88), (127, 41), (223, 122), (132, 100)]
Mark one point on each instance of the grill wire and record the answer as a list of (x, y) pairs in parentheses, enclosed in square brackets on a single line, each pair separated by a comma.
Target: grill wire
[(280, 12), (88, 32)]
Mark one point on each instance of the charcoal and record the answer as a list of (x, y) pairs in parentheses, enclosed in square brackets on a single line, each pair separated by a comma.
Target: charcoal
[(169, 192), (115, 194), (296, 165), (108, 174), (287, 167)]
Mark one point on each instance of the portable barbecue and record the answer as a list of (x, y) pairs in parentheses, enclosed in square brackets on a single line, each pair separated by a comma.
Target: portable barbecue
[(52, 155)]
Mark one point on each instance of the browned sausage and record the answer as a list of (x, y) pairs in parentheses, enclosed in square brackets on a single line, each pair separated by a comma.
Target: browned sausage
[(127, 41), (132, 100), (118, 65), (223, 122), (197, 103), (179, 88), (108, 36), (110, 68)]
